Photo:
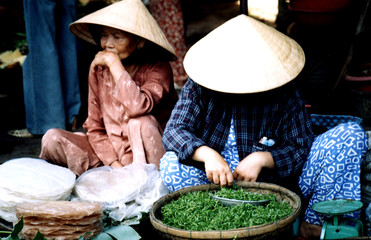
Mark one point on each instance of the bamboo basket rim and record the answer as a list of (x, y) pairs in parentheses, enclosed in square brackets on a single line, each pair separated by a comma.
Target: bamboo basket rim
[(231, 233)]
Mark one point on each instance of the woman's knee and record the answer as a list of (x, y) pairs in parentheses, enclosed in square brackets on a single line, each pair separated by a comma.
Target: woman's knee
[(353, 128), (176, 175), (169, 159), (147, 124), (346, 135), (355, 134), (51, 136), (50, 143), (169, 166)]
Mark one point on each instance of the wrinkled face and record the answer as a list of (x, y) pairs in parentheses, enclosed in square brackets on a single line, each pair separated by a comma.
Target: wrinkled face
[(118, 41)]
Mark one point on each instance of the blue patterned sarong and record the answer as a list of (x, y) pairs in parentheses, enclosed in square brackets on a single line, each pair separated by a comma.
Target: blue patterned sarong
[(176, 175), (332, 170)]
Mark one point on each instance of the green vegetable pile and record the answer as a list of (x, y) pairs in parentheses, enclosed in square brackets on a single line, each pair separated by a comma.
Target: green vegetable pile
[(198, 211), (240, 194)]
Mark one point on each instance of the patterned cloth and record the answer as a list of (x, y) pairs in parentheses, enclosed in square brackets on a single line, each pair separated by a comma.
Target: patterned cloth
[(177, 176), (330, 121), (332, 170), (279, 115), (169, 15)]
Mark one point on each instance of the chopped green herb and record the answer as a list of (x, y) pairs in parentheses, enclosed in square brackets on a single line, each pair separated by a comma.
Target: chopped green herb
[(198, 211), (241, 194)]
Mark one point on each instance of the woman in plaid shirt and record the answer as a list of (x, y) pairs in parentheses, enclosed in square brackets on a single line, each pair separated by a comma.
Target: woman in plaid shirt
[(240, 117)]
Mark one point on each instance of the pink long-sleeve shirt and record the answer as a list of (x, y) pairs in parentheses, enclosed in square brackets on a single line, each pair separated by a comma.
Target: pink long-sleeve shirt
[(110, 106)]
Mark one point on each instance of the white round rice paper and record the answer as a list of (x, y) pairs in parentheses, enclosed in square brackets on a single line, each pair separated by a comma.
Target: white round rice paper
[(125, 192), (32, 180)]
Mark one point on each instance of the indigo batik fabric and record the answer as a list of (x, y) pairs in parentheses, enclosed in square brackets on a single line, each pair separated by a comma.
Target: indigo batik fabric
[(332, 170), (176, 175)]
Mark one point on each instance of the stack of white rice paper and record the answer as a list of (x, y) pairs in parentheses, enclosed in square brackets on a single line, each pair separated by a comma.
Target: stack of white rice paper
[(125, 193), (62, 220), (30, 180)]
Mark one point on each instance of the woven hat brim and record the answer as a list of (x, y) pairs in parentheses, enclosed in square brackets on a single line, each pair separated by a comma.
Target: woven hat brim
[(244, 55), (127, 15)]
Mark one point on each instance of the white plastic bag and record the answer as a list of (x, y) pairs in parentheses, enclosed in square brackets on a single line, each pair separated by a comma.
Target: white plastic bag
[(32, 180), (125, 192)]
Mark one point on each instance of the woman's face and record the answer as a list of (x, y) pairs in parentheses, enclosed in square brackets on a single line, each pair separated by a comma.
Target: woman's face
[(119, 42)]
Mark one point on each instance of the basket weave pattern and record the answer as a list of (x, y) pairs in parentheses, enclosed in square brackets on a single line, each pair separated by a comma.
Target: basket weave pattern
[(275, 230)]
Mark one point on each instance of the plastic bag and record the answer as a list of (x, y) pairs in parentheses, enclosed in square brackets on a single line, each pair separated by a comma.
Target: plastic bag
[(125, 192), (32, 180)]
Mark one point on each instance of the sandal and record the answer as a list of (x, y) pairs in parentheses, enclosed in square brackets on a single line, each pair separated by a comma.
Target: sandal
[(20, 133)]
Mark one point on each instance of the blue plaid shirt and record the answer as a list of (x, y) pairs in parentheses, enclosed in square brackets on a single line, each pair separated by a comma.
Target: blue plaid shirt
[(202, 117)]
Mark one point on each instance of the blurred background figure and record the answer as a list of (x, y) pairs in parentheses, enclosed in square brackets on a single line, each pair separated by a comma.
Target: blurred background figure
[(50, 71), (169, 15)]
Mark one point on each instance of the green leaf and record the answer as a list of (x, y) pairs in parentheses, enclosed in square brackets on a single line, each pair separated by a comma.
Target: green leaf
[(10, 238), (39, 236), (17, 229), (119, 233), (102, 236), (83, 236)]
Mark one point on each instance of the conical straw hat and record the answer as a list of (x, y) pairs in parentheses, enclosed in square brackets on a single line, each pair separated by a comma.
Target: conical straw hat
[(128, 15), (244, 55)]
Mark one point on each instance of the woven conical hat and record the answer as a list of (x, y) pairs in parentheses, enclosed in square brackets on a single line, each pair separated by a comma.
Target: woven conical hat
[(128, 15), (244, 55)]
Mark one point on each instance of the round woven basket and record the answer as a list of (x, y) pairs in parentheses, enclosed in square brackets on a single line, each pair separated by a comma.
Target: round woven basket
[(281, 229)]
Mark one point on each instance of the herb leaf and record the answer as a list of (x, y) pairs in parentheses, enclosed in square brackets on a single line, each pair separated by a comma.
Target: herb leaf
[(199, 211), (17, 229)]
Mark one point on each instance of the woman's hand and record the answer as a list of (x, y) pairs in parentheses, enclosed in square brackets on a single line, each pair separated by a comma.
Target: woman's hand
[(105, 58), (217, 169), (110, 60), (250, 167)]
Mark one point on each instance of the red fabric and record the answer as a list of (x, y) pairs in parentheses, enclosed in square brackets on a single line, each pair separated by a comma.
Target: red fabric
[(111, 106), (169, 16), (125, 120)]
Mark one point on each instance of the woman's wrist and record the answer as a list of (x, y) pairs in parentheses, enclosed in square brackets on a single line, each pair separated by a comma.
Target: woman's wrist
[(110, 65)]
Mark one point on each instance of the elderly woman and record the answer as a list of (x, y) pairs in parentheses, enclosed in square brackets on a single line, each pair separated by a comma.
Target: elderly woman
[(131, 92)]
